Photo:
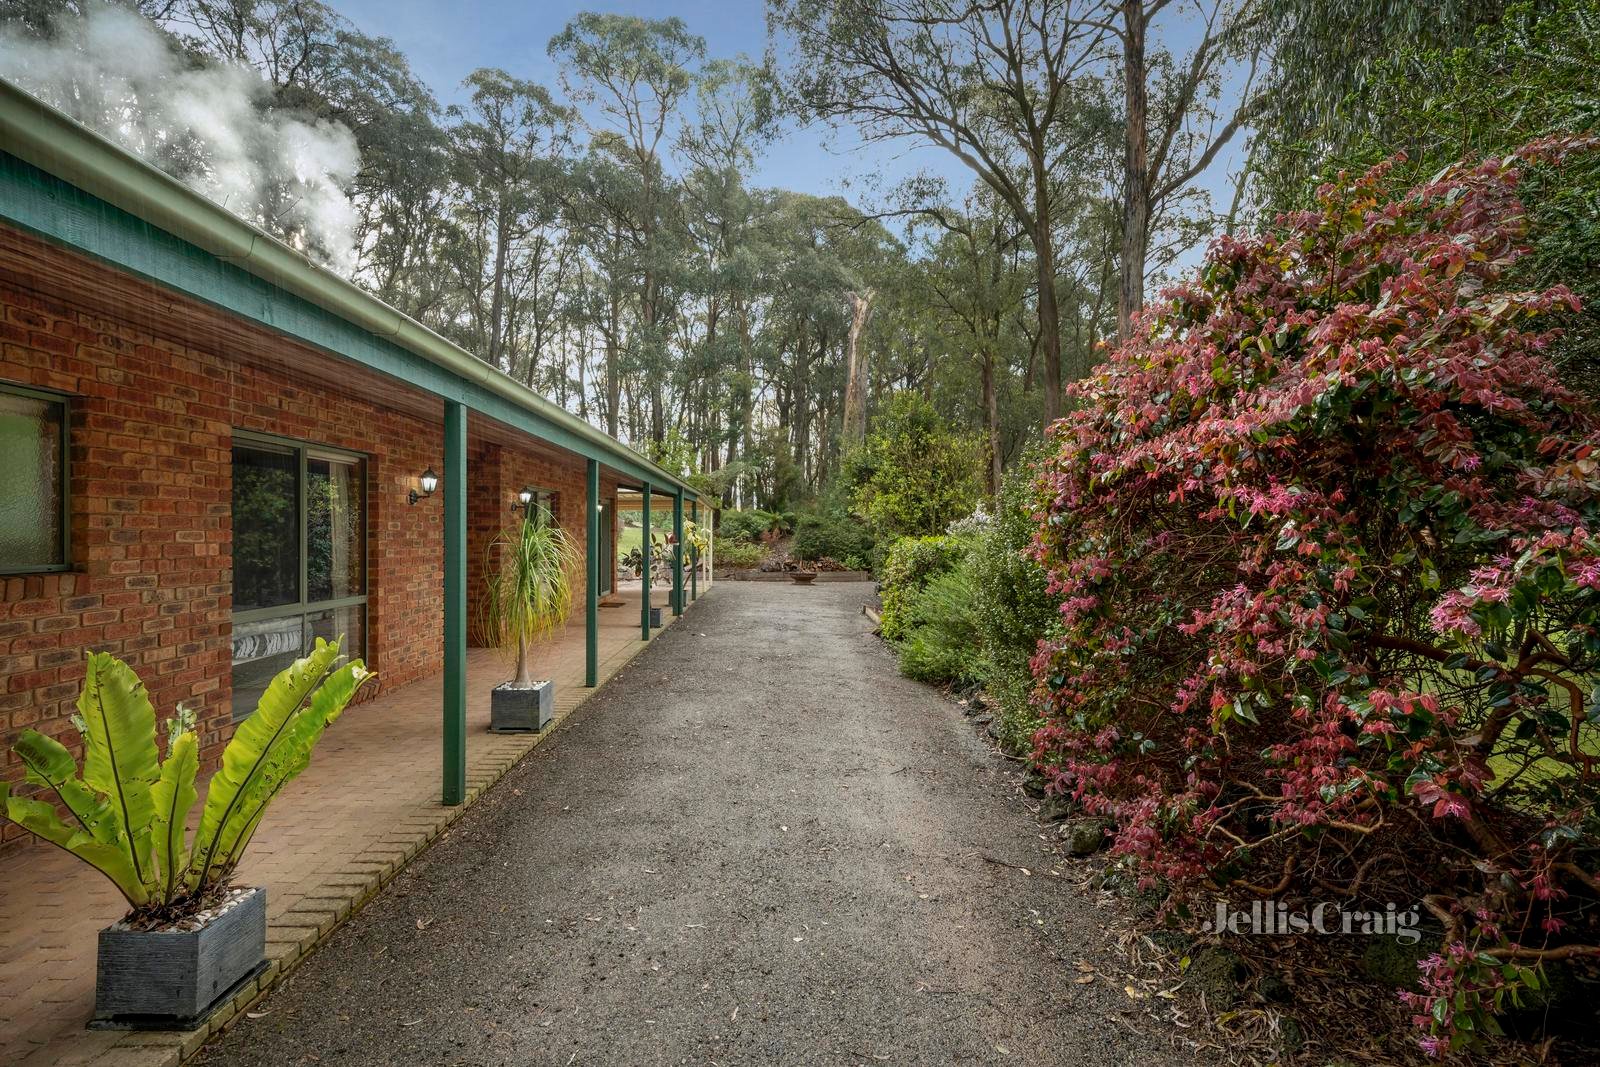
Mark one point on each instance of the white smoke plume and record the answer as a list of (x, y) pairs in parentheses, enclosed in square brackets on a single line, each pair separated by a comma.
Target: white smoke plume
[(114, 72)]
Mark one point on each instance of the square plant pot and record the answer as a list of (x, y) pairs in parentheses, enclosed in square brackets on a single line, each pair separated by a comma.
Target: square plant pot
[(173, 979), (655, 617), (521, 709)]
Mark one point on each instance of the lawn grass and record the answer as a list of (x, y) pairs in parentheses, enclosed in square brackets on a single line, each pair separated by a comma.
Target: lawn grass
[(629, 538)]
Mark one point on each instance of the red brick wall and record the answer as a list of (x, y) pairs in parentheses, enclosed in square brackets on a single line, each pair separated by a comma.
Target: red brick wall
[(151, 483), (149, 442), (495, 474)]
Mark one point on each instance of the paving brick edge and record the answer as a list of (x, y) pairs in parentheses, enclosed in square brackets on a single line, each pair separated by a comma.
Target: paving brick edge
[(293, 938)]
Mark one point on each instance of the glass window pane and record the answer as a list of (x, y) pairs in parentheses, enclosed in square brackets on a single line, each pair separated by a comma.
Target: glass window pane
[(260, 650), (266, 527), (335, 556), (348, 622), (30, 492)]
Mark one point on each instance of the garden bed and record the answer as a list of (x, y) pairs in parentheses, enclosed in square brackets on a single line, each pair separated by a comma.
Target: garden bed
[(757, 575)]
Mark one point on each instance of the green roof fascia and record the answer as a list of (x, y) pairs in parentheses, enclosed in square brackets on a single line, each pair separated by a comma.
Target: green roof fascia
[(73, 187)]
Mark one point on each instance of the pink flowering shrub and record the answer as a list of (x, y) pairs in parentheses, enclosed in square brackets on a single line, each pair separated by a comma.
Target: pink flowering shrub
[(1326, 534)]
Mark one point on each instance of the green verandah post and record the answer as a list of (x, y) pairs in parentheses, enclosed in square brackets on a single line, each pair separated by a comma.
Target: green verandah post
[(455, 602), (591, 607), (644, 570), (677, 554), (694, 571)]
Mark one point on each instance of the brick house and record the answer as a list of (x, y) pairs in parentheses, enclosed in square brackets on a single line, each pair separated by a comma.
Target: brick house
[(214, 451)]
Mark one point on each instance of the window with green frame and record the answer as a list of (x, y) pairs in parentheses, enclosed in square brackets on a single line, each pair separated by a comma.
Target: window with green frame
[(299, 556), (33, 493)]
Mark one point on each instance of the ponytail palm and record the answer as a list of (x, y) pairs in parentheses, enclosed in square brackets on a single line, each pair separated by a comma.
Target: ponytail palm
[(127, 813), (527, 587)]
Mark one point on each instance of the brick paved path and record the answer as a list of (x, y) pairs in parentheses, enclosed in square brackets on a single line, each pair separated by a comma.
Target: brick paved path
[(369, 801)]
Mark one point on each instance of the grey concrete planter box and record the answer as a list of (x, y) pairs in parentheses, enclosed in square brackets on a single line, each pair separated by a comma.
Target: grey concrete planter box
[(521, 709), (655, 617), (173, 979)]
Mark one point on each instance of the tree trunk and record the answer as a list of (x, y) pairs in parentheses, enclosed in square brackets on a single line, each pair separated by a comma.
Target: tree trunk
[(497, 300), (802, 412), (747, 402), (1136, 163), (613, 385), (523, 680), (991, 418), (1049, 323), (855, 390)]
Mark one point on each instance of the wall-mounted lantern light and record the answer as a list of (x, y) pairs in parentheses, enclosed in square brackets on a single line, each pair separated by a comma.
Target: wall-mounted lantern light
[(429, 482), (524, 502)]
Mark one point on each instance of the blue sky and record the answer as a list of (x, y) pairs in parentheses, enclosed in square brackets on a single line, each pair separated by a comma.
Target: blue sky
[(514, 35), (445, 48)]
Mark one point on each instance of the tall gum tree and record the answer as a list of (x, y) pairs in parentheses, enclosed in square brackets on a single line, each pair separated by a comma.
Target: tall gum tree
[(510, 139), (973, 284), (735, 119), (996, 84), (1175, 121), (634, 74)]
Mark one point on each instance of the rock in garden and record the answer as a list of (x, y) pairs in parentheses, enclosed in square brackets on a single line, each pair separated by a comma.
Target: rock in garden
[(1054, 809), (1085, 837), (1220, 975)]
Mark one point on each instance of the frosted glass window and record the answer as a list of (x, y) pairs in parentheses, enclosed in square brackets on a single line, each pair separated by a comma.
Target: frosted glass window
[(32, 481)]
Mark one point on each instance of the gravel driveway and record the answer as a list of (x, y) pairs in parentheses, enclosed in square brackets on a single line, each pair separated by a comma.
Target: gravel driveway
[(758, 844)]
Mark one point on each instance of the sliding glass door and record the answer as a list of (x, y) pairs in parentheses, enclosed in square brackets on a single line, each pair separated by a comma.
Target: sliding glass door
[(299, 557)]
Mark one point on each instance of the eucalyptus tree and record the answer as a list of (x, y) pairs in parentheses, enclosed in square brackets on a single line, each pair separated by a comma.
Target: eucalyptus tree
[(632, 76), (972, 278), (1175, 118), (322, 66), (509, 143), (597, 211), (804, 319), (999, 84), (816, 251), (734, 120), (1325, 56)]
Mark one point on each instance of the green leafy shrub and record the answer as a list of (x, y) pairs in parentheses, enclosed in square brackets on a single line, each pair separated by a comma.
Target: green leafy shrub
[(1014, 605), (750, 525), (830, 533), (915, 474), (739, 555), (941, 643), (913, 562)]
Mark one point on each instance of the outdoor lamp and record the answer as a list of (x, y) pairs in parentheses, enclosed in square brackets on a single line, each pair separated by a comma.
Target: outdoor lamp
[(429, 482), (524, 500)]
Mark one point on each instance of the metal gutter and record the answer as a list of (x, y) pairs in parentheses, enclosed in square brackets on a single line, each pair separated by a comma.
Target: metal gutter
[(38, 134)]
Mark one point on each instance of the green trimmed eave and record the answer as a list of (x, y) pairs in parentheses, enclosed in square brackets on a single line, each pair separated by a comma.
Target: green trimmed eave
[(73, 187)]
